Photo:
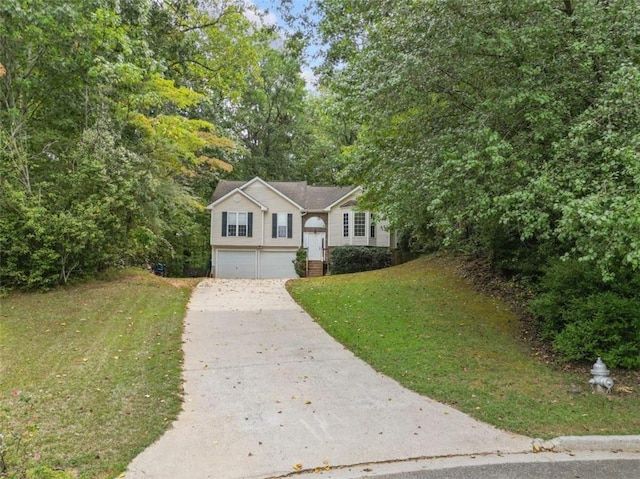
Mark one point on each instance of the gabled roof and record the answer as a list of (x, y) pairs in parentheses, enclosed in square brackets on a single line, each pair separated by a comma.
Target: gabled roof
[(322, 197), (342, 198), (240, 192), (306, 197), (349, 204), (289, 191)]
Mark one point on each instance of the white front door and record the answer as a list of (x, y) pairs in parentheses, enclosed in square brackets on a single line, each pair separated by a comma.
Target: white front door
[(315, 246)]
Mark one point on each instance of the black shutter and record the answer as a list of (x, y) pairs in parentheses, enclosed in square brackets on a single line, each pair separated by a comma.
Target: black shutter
[(289, 225), (224, 223), (274, 225), (249, 224)]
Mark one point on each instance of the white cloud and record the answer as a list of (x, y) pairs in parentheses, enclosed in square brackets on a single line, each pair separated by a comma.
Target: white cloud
[(310, 78), (259, 13), (259, 16)]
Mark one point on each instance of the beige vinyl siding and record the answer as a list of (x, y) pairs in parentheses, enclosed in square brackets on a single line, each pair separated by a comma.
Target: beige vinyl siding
[(357, 240), (336, 229), (276, 204), (241, 204), (336, 237), (335, 224), (383, 237), (266, 196)]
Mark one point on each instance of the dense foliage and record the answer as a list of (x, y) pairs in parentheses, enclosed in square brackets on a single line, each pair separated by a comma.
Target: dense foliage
[(509, 130), (117, 118), (506, 129), (354, 259), (585, 316)]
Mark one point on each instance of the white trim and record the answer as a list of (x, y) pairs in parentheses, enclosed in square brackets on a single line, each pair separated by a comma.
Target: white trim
[(282, 195), (237, 224), (280, 216), (310, 223), (237, 191), (347, 215), (364, 225)]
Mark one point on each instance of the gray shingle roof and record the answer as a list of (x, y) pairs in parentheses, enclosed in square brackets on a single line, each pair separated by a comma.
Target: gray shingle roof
[(225, 187), (294, 190), (311, 198), (319, 197)]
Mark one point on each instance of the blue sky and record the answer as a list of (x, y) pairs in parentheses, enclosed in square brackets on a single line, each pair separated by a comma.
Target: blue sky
[(271, 7), (274, 17)]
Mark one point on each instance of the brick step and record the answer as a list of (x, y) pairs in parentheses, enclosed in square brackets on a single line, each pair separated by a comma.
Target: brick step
[(315, 269)]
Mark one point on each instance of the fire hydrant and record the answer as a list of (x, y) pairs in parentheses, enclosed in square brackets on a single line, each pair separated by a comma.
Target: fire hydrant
[(600, 382)]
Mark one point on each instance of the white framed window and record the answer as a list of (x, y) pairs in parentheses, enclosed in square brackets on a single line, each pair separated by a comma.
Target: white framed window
[(359, 224), (282, 225), (315, 222), (236, 223)]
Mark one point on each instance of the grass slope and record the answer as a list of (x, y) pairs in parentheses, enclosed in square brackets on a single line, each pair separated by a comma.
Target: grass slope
[(90, 375), (422, 325)]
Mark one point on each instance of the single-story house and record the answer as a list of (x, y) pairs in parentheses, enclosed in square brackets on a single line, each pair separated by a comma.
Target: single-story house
[(257, 226)]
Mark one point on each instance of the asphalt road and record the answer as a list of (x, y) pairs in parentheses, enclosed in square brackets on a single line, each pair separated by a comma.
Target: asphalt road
[(605, 469)]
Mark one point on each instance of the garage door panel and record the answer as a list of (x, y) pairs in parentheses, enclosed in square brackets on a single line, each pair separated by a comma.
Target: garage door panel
[(236, 265), (277, 264)]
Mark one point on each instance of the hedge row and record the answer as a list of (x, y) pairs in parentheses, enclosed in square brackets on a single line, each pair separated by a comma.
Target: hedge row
[(354, 259)]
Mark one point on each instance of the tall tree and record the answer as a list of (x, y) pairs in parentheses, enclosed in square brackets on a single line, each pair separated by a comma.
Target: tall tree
[(469, 113), (328, 131), (102, 136), (269, 118), (511, 129)]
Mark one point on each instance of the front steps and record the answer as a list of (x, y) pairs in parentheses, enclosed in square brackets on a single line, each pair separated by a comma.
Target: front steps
[(315, 269)]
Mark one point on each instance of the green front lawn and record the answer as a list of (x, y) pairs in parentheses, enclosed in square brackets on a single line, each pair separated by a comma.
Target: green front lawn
[(90, 375), (424, 326)]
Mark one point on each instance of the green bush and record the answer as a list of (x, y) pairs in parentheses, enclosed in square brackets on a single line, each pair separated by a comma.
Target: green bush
[(300, 263), (561, 284), (354, 259), (585, 317), (604, 325)]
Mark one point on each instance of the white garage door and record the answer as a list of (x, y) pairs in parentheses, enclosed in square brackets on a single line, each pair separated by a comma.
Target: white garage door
[(277, 264), (236, 265)]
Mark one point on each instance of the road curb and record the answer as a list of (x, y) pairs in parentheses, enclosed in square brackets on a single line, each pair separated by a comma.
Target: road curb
[(588, 443)]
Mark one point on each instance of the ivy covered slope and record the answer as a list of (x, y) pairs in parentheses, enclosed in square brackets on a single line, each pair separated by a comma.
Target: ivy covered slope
[(509, 130)]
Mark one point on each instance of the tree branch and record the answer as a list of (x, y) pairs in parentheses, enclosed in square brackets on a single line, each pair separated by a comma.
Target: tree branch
[(568, 7)]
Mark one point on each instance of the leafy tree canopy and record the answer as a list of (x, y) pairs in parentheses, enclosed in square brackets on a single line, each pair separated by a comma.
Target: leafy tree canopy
[(497, 123), (109, 143)]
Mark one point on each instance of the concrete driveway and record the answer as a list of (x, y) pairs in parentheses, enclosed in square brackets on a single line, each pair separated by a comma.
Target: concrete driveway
[(268, 393)]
